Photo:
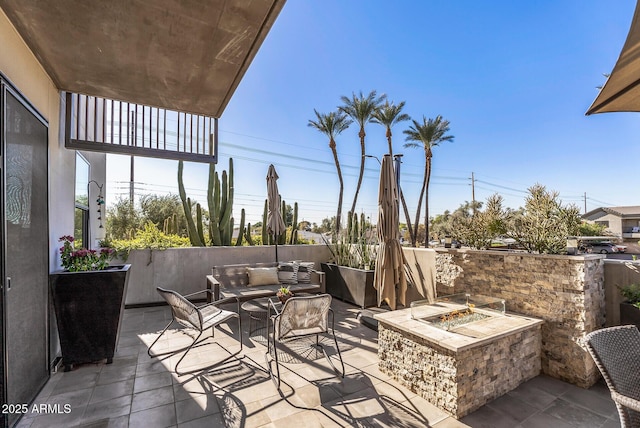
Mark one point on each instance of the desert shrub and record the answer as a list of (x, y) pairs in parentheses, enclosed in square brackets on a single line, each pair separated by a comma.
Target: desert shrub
[(478, 230), (545, 224), (542, 226)]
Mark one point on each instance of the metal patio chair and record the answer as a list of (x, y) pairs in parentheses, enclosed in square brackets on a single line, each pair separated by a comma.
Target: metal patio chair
[(198, 318), (616, 352), (300, 317)]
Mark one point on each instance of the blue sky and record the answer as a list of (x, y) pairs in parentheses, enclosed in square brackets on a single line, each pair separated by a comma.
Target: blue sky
[(513, 78)]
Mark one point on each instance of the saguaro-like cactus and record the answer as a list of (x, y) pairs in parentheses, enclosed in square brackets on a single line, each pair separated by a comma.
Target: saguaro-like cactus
[(294, 225), (247, 235), (170, 226), (186, 206), (265, 232), (220, 202), (241, 231), (282, 238)]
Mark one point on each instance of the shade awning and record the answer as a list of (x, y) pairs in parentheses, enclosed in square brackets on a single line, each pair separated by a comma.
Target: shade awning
[(186, 56), (621, 92)]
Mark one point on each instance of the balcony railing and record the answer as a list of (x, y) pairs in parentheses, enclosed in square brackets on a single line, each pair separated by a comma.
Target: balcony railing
[(100, 124)]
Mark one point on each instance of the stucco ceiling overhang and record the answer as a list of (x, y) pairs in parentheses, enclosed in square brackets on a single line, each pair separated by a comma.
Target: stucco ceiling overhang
[(186, 55)]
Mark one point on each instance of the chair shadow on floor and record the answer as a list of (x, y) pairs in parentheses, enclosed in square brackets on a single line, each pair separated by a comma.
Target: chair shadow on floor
[(226, 382), (337, 402), (381, 410)]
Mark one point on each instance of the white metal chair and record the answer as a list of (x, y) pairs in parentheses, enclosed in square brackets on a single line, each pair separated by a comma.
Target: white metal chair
[(301, 317), (616, 352), (199, 318)]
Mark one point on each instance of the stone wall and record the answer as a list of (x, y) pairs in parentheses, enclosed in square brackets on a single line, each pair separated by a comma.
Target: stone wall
[(461, 382), (567, 292)]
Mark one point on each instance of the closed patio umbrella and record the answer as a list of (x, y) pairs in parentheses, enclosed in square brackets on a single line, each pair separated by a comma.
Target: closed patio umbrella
[(389, 277), (621, 92), (275, 225)]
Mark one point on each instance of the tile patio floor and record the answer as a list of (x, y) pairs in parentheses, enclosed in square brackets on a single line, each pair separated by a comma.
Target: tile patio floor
[(139, 391)]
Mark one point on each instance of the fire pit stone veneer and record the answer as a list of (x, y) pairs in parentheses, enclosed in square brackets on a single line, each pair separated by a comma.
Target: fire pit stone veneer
[(567, 292), (459, 373)]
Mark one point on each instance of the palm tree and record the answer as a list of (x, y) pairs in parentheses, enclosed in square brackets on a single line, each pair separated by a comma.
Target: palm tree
[(388, 115), (426, 135), (332, 124), (361, 109)]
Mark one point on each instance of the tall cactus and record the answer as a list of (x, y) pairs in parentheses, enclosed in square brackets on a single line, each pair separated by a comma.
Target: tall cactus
[(240, 229), (282, 238), (186, 206), (220, 202), (294, 225), (265, 232), (213, 199), (170, 226), (175, 223), (247, 235), (199, 223), (355, 230), (350, 235)]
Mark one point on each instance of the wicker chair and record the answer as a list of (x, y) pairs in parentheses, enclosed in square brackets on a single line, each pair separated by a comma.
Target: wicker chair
[(616, 352), (301, 317), (199, 318)]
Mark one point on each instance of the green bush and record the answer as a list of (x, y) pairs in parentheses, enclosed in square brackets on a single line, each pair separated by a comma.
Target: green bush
[(149, 237), (591, 229), (631, 292)]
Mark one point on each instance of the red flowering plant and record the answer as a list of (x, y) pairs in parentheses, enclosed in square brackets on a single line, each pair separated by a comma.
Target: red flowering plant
[(81, 260)]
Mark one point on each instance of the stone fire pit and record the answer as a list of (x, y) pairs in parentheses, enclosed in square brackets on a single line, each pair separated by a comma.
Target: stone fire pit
[(462, 369)]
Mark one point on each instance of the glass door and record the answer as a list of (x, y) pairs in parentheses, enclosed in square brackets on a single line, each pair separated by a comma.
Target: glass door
[(25, 248)]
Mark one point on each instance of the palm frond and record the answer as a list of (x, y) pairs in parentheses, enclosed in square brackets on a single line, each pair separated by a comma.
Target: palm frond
[(390, 114), (330, 124), (431, 132), (360, 107)]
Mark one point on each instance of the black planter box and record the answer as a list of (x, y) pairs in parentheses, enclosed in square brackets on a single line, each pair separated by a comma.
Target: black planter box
[(629, 315), (350, 284), (89, 308)]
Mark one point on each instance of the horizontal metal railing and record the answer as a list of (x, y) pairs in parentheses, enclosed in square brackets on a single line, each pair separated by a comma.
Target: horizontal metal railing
[(100, 124)]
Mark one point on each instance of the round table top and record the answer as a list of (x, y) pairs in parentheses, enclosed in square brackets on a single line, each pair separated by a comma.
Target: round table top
[(260, 304)]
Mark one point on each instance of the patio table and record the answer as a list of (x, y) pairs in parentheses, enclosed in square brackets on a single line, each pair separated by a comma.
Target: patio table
[(257, 310)]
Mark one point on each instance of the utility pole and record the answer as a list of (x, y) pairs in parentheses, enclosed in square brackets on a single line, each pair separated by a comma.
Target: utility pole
[(131, 168), (131, 180), (585, 202), (473, 193)]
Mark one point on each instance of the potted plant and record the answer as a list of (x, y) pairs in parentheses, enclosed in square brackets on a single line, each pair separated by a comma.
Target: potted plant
[(284, 294), (630, 308), (88, 297), (349, 276)]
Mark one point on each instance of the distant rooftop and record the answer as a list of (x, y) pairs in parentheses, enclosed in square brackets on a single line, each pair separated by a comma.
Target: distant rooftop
[(628, 211)]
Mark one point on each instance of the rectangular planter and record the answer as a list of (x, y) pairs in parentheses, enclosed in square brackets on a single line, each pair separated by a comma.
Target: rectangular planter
[(350, 284), (89, 308), (629, 315)]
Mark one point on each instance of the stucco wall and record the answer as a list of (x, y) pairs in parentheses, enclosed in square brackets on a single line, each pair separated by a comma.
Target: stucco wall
[(23, 71), (185, 269), (567, 292)]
